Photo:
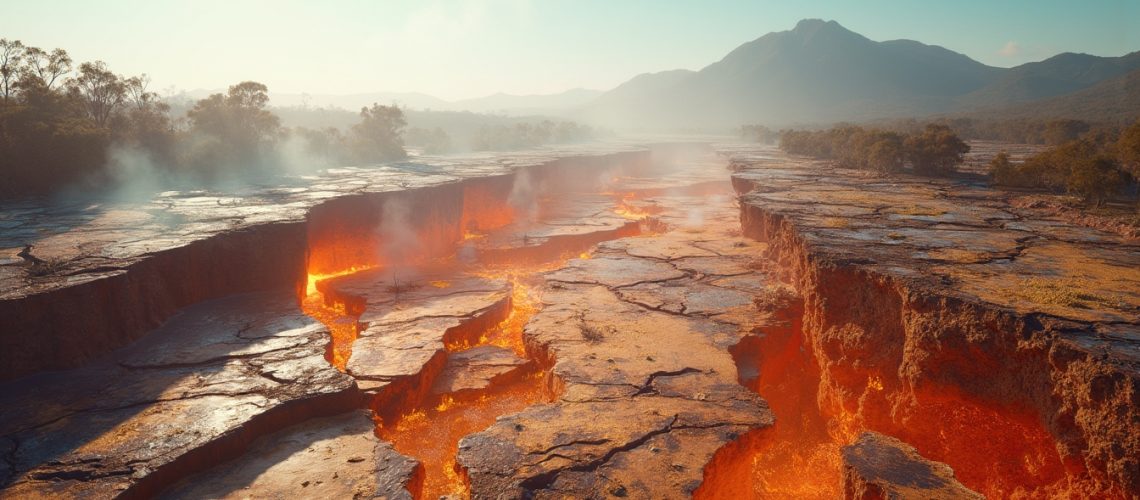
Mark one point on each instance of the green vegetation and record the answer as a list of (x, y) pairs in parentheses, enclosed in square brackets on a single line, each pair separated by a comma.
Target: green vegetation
[(936, 150), (1096, 164), (62, 125)]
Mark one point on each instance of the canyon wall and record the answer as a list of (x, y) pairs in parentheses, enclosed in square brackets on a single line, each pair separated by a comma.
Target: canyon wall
[(70, 324), (64, 321), (1012, 401)]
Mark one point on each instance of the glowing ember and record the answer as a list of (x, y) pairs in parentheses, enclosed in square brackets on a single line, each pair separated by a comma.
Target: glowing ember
[(509, 333), (311, 283), (343, 327), (432, 433)]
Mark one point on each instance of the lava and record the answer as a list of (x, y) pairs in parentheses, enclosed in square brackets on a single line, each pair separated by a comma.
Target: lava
[(342, 323), (430, 431), (419, 422), (798, 457), (1001, 452)]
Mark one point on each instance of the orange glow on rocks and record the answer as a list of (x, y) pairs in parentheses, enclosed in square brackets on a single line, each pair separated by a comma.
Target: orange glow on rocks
[(1000, 452), (313, 279), (430, 431), (342, 324), (798, 457)]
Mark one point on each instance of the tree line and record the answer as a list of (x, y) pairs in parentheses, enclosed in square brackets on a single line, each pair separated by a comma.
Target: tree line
[(1051, 132), (60, 124), (1095, 164), (935, 150)]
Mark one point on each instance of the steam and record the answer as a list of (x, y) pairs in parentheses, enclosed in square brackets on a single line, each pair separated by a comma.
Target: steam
[(695, 218), (134, 175), (399, 243), (295, 157), (523, 197)]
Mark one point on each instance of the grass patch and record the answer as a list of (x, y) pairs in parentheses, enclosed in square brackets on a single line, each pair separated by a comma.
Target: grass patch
[(1067, 292), (919, 210)]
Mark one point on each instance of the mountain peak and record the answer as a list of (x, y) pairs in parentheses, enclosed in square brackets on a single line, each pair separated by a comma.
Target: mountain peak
[(810, 27)]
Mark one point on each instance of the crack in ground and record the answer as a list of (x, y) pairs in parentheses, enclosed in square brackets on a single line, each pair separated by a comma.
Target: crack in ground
[(546, 479), (647, 387)]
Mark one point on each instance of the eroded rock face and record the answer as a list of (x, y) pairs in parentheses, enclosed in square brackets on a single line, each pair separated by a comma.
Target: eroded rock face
[(881, 467), (197, 390), (332, 457), (935, 308)]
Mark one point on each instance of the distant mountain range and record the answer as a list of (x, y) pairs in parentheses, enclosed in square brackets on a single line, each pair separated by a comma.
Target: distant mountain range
[(817, 73), (820, 72)]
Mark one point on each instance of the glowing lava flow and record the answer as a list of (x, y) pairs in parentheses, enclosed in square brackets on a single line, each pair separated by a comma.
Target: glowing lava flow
[(998, 452), (431, 432), (342, 325), (631, 211)]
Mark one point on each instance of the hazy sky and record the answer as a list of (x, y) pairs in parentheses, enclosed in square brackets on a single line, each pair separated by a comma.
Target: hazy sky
[(468, 48)]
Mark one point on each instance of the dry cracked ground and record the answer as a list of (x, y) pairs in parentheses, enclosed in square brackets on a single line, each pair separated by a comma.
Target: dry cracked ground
[(812, 333)]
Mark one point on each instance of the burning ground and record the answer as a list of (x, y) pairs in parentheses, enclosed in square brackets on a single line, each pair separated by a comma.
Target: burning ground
[(623, 324)]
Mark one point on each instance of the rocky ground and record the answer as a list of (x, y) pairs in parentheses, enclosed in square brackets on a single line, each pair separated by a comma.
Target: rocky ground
[(924, 296), (645, 333)]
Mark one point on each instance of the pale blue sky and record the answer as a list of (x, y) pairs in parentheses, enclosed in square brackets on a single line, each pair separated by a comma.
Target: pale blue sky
[(469, 48)]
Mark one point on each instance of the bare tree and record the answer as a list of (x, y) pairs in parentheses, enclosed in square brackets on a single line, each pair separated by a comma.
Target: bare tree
[(11, 57), (137, 93)]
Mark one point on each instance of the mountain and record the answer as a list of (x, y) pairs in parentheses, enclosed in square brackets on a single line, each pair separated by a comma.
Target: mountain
[(1113, 100), (1058, 75), (821, 72)]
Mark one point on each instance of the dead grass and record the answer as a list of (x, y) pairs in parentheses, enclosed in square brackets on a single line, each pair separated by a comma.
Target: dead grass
[(836, 222), (919, 210), (775, 298), (1067, 292), (46, 268), (590, 332)]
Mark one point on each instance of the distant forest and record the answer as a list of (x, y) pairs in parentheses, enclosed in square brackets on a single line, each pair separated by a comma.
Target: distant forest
[(67, 126), (1095, 162)]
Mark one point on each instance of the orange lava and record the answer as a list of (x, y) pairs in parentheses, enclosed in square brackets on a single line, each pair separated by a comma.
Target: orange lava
[(430, 432), (798, 457), (1000, 452), (312, 278), (631, 211), (343, 326)]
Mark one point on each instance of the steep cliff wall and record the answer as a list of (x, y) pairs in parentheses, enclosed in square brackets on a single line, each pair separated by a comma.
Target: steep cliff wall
[(1013, 401), (68, 325)]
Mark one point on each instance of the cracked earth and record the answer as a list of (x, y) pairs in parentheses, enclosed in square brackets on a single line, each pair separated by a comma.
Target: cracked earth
[(642, 325)]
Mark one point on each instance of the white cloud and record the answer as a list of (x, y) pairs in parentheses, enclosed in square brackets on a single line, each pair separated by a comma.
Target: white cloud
[(1010, 49)]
